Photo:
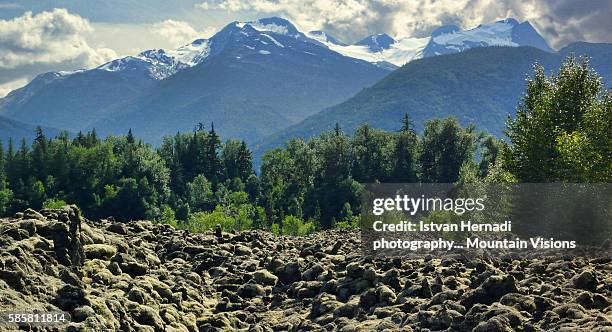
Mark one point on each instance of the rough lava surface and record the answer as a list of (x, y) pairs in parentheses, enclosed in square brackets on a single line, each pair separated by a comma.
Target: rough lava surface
[(142, 276)]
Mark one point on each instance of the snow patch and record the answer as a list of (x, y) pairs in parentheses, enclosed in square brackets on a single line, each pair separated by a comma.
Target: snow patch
[(273, 40), (279, 29), (162, 63), (191, 54), (63, 73), (402, 51), (498, 34)]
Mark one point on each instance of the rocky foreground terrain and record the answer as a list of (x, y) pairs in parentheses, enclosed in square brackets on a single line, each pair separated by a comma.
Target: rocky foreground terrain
[(140, 276)]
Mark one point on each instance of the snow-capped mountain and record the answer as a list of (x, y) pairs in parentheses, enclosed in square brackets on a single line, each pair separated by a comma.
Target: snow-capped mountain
[(322, 36), (508, 32), (377, 43), (250, 79), (159, 63), (383, 49), (379, 49)]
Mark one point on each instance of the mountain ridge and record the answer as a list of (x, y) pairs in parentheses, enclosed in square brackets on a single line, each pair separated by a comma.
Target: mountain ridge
[(480, 86), (383, 49), (251, 78)]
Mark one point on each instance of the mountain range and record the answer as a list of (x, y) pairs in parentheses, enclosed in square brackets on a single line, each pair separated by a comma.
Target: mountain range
[(251, 79), (264, 81), (388, 52), (481, 86)]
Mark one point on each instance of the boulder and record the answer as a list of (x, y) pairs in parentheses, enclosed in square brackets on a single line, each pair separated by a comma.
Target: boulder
[(99, 251), (265, 277)]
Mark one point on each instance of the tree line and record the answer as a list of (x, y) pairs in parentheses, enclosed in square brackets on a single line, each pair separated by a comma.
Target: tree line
[(194, 181)]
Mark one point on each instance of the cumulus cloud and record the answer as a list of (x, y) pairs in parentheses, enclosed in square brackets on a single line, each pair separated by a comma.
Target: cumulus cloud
[(560, 21), (179, 32), (48, 41), (49, 38), (10, 86)]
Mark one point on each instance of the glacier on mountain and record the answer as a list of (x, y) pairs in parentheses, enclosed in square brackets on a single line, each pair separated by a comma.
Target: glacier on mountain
[(379, 49), (382, 48), (160, 63)]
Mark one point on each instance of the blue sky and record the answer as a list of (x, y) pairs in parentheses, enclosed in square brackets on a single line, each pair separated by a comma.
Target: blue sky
[(39, 36)]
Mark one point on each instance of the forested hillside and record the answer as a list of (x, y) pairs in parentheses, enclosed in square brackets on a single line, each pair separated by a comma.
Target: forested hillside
[(481, 86), (194, 181)]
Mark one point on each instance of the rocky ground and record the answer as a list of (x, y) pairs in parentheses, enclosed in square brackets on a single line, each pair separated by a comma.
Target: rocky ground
[(140, 276)]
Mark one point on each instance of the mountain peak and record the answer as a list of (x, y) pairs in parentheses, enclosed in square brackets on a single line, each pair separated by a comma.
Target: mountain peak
[(378, 42), (276, 25), (276, 21), (323, 36), (509, 20), (525, 34), (159, 64), (506, 32), (445, 29)]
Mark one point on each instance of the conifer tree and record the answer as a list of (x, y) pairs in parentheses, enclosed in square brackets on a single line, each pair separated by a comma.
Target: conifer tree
[(370, 154), (237, 160), (404, 153), (213, 166), (445, 148), (5, 193), (39, 155), (130, 137)]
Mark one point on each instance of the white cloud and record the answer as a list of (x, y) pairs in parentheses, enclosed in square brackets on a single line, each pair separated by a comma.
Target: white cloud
[(177, 32), (560, 21), (50, 37), (180, 32), (353, 19), (10, 86)]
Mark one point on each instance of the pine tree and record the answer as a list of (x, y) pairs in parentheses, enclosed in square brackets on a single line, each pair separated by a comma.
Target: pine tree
[(5, 193), (2, 171), (92, 138), (404, 153), (130, 137), (3, 180), (10, 169), (491, 148), (39, 155), (22, 161), (334, 176), (446, 147), (337, 129), (407, 125), (213, 166), (80, 139), (237, 160), (370, 154), (336, 157)]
